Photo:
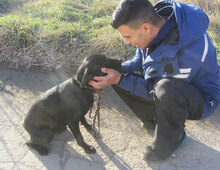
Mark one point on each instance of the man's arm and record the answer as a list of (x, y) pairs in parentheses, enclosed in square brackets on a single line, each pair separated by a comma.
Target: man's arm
[(133, 65), (133, 84)]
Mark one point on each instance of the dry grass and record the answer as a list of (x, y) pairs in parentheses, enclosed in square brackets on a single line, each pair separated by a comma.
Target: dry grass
[(58, 34), (212, 8), (53, 34)]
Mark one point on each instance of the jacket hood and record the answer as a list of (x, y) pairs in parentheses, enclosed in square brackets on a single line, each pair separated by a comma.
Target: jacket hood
[(192, 21)]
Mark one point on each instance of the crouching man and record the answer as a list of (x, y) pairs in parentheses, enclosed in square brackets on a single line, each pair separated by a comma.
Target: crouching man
[(174, 75)]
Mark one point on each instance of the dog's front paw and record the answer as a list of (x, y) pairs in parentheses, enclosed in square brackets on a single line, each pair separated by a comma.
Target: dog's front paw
[(90, 150)]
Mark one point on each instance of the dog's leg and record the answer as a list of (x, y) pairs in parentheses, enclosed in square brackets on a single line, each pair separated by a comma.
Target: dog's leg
[(59, 129), (39, 138), (85, 124), (42, 150), (74, 127)]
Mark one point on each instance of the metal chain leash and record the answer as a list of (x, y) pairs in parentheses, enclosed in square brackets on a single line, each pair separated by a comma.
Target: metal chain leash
[(96, 115)]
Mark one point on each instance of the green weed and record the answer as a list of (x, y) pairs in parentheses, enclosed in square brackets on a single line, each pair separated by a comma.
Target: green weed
[(63, 32)]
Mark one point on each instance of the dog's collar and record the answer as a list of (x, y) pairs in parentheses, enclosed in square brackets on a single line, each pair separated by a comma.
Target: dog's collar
[(77, 83)]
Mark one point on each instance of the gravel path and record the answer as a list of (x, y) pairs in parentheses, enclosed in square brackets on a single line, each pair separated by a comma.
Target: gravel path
[(122, 141)]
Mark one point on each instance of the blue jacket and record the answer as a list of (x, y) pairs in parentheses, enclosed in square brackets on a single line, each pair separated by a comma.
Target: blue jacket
[(186, 54)]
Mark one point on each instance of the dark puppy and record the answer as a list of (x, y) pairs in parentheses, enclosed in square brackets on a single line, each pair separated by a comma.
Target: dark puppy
[(65, 105)]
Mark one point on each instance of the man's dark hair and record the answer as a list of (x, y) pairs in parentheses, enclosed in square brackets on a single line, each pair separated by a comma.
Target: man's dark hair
[(134, 13)]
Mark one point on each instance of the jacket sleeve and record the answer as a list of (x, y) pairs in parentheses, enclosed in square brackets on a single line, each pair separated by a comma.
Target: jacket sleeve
[(135, 85), (133, 65), (195, 64)]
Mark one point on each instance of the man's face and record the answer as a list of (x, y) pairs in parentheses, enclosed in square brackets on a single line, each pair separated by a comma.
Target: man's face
[(139, 37)]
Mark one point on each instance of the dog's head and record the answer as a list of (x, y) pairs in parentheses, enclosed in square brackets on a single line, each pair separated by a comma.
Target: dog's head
[(91, 66)]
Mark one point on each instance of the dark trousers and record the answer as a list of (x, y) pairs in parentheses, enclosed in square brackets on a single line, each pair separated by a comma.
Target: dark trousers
[(174, 101)]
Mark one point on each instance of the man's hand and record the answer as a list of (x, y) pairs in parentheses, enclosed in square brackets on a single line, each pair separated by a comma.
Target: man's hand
[(112, 77)]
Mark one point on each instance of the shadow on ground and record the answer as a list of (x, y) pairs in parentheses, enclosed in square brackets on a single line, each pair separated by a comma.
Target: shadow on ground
[(122, 142), (193, 155)]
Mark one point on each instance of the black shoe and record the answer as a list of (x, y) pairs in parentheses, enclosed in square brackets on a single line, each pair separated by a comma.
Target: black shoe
[(154, 153)]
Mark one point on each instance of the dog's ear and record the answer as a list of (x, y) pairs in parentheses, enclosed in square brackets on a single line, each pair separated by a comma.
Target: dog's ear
[(114, 64), (87, 76)]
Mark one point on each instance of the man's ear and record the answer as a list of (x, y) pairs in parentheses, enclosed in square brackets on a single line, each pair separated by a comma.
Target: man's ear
[(87, 76), (146, 27)]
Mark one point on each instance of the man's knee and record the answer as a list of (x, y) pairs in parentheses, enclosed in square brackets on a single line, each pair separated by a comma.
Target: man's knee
[(165, 89)]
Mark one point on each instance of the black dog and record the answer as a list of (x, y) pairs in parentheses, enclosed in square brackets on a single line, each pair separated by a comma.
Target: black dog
[(66, 105)]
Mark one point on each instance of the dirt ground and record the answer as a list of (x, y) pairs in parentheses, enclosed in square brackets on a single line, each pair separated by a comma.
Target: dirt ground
[(123, 139)]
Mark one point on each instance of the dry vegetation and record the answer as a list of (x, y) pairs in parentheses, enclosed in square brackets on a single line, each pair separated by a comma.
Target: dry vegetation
[(212, 8), (58, 34)]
